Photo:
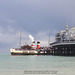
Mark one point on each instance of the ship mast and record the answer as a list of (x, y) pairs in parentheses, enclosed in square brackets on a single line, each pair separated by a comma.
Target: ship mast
[(49, 41), (20, 40)]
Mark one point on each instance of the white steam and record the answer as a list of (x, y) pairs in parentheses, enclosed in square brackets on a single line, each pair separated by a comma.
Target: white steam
[(31, 37)]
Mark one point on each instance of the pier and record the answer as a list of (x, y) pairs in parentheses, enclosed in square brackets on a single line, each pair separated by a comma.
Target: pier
[(63, 48)]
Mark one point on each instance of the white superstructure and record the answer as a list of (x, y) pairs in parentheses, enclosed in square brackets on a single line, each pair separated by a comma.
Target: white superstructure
[(18, 51)]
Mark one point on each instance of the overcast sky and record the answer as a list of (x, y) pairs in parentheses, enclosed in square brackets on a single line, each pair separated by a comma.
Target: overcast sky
[(36, 17)]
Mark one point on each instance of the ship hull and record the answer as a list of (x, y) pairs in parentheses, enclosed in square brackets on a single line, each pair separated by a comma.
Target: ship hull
[(23, 53), (29, 52)]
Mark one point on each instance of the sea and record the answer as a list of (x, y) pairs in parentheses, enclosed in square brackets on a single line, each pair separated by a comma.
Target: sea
[(36, 65)]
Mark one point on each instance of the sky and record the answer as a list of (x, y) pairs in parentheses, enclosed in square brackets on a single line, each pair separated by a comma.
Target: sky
[(40, 18)]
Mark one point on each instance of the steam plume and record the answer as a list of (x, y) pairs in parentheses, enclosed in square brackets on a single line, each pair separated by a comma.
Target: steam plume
[(31, 37)]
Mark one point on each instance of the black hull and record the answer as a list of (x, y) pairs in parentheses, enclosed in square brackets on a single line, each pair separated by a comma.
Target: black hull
[(21, 54)]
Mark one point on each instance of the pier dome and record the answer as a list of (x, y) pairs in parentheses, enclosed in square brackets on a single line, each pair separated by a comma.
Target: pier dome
[(66, 35)]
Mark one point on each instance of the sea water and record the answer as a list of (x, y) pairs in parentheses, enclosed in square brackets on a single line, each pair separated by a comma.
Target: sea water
[(36, 65)]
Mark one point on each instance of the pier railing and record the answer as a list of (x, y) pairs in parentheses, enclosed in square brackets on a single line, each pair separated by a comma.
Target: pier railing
[(64, 42)]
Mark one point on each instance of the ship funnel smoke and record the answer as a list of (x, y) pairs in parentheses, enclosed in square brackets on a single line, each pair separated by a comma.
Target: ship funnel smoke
[(31, 38)]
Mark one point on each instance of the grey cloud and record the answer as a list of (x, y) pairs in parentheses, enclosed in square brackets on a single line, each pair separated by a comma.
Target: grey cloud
[(35, 16)]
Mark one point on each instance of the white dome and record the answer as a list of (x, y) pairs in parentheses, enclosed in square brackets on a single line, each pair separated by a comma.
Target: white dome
[(67, 35)]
